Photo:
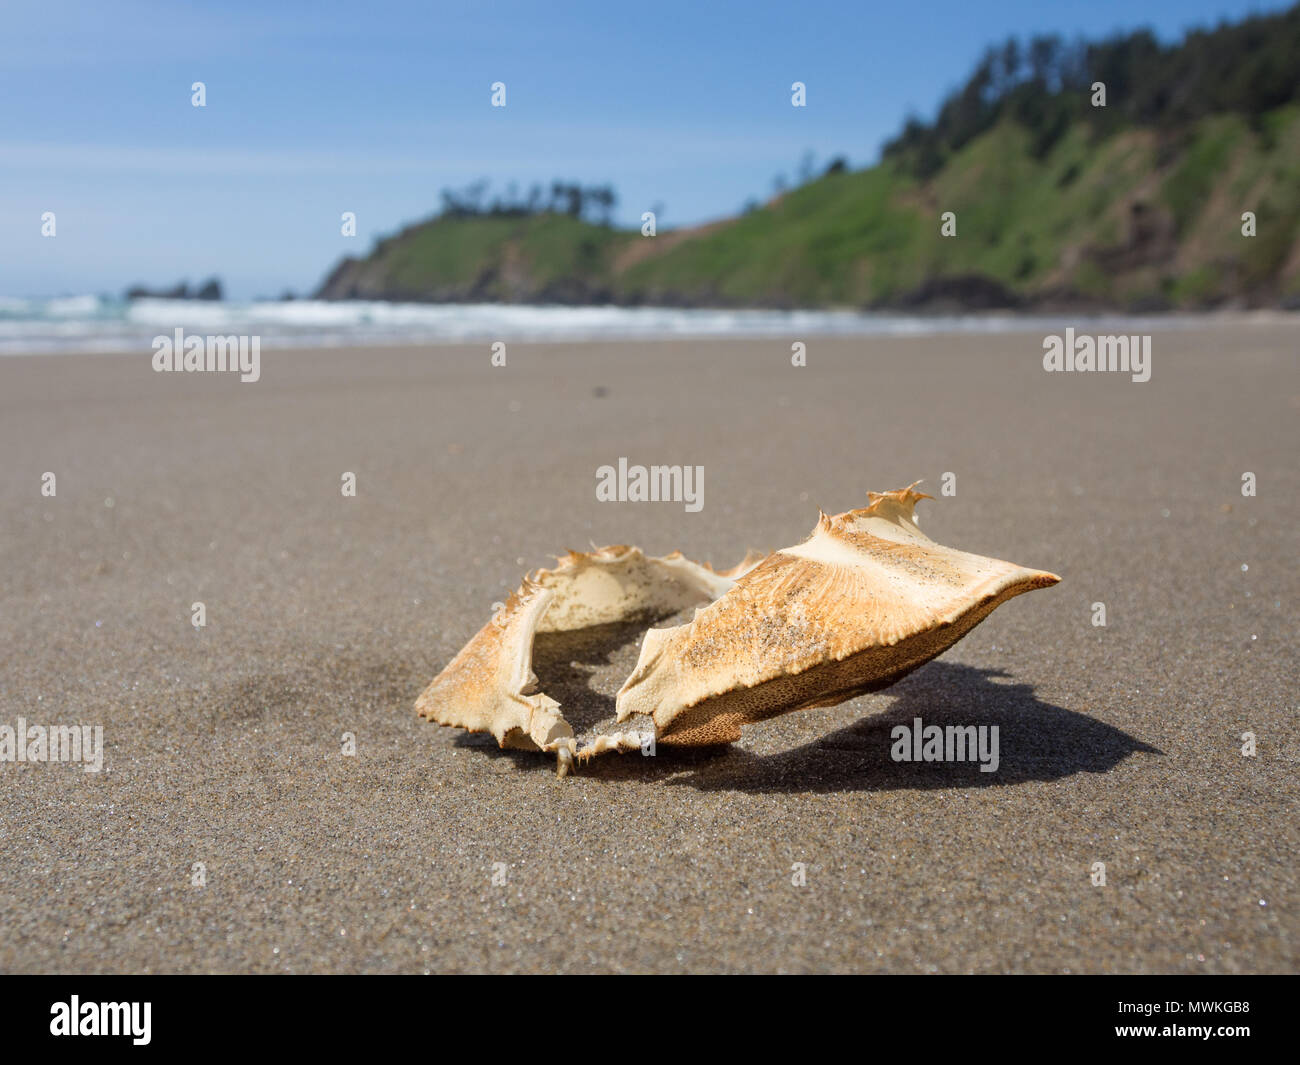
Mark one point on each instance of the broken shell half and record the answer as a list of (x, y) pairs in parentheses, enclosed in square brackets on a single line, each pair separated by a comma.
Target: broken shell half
[(866, 599), (491, 687)]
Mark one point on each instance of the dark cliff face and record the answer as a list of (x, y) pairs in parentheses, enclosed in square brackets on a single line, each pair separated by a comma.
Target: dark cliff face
[(355, 279)]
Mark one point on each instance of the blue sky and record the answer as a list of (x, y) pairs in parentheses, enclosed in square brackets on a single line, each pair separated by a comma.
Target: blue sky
[(318, 108)]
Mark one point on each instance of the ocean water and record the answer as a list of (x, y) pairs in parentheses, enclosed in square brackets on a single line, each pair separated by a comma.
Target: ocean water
[(86, 324)]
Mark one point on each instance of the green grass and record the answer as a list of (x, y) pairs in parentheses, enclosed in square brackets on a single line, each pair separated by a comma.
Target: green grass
[(1188, 188)]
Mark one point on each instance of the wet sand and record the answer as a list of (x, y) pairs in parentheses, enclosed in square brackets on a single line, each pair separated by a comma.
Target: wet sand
[(328, 615)]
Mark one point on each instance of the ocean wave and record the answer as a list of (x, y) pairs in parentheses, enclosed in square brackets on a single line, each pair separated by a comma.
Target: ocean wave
[(89, 324)]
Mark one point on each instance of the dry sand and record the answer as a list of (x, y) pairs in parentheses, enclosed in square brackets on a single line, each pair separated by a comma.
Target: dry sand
[(328, 615)]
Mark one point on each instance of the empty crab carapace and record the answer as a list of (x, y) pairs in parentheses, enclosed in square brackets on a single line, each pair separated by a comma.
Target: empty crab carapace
[(862, 602)]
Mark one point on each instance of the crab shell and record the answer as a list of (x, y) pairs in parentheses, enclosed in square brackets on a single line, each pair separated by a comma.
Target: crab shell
[(866, 599)]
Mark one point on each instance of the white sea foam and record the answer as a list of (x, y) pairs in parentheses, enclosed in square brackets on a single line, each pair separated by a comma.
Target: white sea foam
[(97, 324)]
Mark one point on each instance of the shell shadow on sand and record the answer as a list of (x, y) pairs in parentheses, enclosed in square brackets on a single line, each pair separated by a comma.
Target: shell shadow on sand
[(1038, 741)]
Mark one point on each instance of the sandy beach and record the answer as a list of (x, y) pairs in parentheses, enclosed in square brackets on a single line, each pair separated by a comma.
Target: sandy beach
[(327, 615)]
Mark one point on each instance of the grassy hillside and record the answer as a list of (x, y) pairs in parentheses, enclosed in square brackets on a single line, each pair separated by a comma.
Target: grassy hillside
[(1137, 204), (1140, 218), (537, 257)]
